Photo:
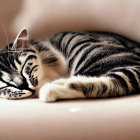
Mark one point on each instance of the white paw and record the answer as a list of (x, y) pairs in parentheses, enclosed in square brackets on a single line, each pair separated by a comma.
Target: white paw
[(47, 93)]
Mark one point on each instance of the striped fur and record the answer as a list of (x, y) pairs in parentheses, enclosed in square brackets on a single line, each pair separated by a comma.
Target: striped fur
[(99, 65), (72, 65)]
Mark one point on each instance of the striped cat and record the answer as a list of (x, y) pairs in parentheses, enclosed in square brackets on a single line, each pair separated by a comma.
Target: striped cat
[(70, 65)]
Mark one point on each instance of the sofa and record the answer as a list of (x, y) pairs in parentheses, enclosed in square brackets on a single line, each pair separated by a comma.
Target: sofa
[(93, 119), (107, 119)]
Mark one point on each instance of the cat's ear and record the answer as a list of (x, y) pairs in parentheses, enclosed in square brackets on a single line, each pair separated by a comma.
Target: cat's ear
[(21, 40)]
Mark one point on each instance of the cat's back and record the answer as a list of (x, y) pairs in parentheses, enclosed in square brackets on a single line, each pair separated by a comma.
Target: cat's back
[(67, 38)]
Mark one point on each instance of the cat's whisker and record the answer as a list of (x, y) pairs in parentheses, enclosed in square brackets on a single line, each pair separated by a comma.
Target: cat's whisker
[(10, 51)]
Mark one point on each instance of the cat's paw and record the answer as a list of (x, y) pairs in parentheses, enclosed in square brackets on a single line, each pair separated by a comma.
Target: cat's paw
[(47, 93)]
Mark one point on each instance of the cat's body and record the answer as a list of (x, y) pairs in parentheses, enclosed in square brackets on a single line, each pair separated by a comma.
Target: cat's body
[(71, 65)]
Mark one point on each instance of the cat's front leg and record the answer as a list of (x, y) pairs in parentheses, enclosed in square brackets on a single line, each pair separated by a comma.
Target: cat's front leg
[(58, 90), (14, 93), (47, 93), (78, 87)]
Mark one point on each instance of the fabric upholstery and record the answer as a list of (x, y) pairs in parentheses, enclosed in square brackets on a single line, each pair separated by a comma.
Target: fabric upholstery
[(108, 119)]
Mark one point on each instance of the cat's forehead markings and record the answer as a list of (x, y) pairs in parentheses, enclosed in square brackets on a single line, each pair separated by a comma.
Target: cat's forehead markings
[(25, 55)]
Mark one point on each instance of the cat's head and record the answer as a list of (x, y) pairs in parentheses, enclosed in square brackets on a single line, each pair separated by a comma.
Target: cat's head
[(19, 68)]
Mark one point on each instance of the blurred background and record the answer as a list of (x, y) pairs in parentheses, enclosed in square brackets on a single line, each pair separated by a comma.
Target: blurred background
[(44, 18)]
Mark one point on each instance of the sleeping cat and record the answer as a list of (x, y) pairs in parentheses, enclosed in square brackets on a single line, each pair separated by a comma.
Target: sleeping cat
[(70, 65)]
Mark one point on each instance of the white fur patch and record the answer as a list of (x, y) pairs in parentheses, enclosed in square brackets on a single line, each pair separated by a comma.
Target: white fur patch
[(2, 84), (6, 76)]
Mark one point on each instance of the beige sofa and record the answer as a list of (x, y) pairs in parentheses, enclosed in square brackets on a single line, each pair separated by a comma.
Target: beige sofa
[(107, 119)]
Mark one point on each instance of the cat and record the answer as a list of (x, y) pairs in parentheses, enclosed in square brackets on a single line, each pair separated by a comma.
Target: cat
[(70, 65)]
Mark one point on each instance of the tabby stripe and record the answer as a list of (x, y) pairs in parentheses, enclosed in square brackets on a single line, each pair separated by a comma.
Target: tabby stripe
[(64, 42), (93, 49), (111, 61), (60, 41), (28, 58), (8, 84), (68, 43), (5, 64), (137, 67), (137, 53), (78, 44), (29, 50), (132, 78), (122, 42), (32, 70), (12, 63), (138, 72), (82, 41), (3, 68), (18, 61), (138, 75), (98, 55), (5, 61), (105, 65), (85, 55), (120, 80), (76, 54), (104, 88)]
